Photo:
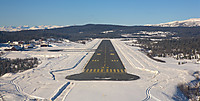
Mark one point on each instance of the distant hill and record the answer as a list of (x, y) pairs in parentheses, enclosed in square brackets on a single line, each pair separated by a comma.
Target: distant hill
[(185, 23), (74, 33), (26, 27)]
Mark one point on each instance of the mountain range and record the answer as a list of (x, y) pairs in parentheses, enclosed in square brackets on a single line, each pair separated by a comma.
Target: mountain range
[(193, 22), (185, 23), (26, 27)]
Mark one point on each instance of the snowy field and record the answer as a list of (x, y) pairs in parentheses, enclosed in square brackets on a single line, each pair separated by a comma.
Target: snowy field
[(47, 82)]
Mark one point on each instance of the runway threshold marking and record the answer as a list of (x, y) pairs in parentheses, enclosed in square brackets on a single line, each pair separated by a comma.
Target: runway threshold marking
[(106, 70), (122, 70), (117, 70), (87, 70)]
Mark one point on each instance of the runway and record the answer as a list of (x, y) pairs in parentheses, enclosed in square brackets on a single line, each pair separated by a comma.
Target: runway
[(105, 64)]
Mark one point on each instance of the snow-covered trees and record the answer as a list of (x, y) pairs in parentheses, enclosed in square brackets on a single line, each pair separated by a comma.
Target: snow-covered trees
[(15, 65)]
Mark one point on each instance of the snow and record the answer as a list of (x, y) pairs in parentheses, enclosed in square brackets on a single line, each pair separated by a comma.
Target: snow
[(148, 34), (185, 23), (26, 27), (158, 81), (7, 75), (106, 32)]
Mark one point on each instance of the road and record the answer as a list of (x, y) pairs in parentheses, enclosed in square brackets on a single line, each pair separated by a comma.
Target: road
[(105, 64)]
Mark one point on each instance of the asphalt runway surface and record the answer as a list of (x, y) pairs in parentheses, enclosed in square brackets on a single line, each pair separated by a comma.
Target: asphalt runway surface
[(105, 64)]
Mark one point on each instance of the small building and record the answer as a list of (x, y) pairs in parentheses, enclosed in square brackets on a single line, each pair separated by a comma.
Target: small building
[(14, 48), (29, 45)]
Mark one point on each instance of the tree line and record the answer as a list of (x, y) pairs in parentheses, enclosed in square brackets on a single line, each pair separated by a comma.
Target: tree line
[(186, 46), (15, 65), (75, 33)]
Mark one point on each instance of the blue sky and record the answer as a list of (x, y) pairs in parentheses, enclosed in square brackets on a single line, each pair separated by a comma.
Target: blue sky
[(71, 12)]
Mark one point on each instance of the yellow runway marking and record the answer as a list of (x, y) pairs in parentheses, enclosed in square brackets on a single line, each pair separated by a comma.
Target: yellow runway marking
[(87, 70), (97, 70), (117, 70), (95, 60), (90, 70), (94, 70), (115, 60), (112, 54), (110, 70), (106, 70), (101, 70), (122, 70), (114, 70)]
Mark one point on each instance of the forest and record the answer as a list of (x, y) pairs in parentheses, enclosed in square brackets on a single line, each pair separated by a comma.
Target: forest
[(16, 65), (188, 47), (75, 33)]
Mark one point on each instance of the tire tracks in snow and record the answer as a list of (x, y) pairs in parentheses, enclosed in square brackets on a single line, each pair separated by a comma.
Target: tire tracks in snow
[(148, 94), (20, 90)]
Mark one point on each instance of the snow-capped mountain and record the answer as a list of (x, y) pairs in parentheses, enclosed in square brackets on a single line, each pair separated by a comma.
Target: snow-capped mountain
[(26, 27), (185, 23)]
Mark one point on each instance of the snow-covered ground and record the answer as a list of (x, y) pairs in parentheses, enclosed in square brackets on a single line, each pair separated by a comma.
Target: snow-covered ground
[(149, 34), (47, 81)]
